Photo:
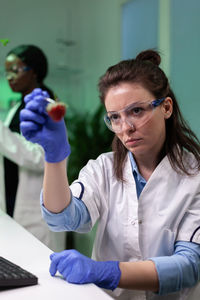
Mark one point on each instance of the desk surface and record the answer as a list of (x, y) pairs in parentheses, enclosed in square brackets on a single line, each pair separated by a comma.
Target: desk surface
[(19, 246)]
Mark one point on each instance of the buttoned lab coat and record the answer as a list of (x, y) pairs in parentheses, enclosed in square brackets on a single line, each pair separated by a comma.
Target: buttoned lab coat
[(131, 229), (30, 160)]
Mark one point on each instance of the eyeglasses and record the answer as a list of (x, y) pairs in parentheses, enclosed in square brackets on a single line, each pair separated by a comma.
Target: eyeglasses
[(16, 71), (135, 115)]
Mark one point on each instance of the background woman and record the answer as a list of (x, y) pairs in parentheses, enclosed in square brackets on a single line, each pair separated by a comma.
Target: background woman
[(21, 162)]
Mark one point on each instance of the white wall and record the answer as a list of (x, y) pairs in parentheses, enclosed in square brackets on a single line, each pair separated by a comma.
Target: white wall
[(33, 22), (81, 38)]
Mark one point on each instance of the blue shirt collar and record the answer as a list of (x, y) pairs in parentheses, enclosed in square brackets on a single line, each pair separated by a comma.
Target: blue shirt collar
[(135, 169)]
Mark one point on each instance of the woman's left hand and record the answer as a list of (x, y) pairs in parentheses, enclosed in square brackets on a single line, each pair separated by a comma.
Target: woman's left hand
[(77, 268)]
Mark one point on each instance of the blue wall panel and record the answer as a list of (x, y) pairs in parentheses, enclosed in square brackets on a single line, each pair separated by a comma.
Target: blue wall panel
[(185, 58), (139, 27)]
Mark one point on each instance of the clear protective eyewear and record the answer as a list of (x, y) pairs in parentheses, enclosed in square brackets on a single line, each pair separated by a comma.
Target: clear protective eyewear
[(135, 115), (16, 71)]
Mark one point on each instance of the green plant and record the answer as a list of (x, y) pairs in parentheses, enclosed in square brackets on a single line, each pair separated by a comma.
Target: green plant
[(4, 42), (88, 137)]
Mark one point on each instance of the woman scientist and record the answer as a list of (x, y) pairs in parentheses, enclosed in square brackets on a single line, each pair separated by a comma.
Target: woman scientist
[(22, 162), (145, 195)]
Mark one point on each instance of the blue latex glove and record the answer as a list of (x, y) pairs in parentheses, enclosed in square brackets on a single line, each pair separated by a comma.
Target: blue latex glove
[(77, 268), (38, 127)]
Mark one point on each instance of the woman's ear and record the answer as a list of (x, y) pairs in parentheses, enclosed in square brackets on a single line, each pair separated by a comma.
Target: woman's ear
[(167, 107)]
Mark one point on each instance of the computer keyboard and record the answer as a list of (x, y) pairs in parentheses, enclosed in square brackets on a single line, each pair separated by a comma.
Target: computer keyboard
[(11, 275)]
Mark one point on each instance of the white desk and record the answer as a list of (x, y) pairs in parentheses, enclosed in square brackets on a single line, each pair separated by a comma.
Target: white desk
[(19, 246)]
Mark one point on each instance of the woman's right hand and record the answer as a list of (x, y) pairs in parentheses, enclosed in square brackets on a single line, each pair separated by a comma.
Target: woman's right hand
[(37, 127)]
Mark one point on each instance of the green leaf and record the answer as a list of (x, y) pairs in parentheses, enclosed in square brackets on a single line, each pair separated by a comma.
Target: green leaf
[(4, 41)]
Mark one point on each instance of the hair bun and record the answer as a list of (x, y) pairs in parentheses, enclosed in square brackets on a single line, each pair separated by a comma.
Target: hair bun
[(149, 55)]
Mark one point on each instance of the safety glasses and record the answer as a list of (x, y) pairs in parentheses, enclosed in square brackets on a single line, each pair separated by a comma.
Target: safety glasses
[(16, 71), (135, 115)]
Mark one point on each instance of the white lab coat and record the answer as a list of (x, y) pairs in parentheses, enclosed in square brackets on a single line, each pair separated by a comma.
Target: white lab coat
[(30, 159), (129, 229)]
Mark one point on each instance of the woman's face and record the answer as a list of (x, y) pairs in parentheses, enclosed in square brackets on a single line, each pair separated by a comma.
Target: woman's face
[(144, 137), (20, 78)]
